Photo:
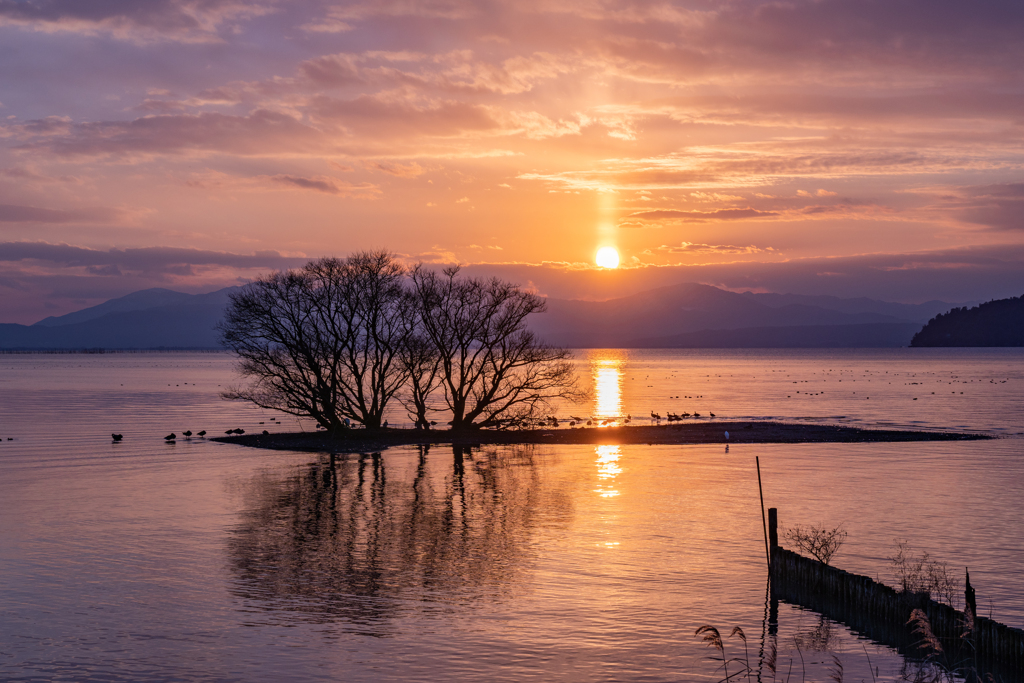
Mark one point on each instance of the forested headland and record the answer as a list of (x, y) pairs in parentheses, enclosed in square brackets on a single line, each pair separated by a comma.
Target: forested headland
[(995, 323)]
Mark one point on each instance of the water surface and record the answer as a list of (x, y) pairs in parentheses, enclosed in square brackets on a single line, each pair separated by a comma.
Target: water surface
[(145, 561)]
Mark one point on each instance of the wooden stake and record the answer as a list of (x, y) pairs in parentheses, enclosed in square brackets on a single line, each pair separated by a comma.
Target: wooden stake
[(764, 522)]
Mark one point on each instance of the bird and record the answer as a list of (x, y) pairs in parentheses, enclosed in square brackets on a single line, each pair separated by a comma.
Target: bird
[(202, 434), (385, 424), (117, 437), (266, 433), (239, 431), (711, 414), (170, 437), (727, 436), (696, 414), (187, 433)]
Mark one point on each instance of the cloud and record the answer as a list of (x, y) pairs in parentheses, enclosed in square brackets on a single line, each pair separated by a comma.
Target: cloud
[(693, 248), (190, 21), (145, 259), (410, 170), (261, 132), (327, 185), (701, 216), (13, 213), (999, 207), (22, 173)]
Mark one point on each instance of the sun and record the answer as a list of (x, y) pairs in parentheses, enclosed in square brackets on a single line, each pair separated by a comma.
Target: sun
[(607, 257)]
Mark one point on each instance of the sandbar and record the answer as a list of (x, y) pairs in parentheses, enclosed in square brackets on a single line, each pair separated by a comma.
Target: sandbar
[(740, 432)]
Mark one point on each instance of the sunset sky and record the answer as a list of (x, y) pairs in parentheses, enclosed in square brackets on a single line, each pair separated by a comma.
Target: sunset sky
[(855, 148)]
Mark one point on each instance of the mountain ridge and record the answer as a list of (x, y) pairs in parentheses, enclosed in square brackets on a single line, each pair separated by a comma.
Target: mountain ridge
[(682, 314)]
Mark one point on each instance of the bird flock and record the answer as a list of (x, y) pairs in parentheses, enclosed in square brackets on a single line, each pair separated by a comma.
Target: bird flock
[(187, 434)]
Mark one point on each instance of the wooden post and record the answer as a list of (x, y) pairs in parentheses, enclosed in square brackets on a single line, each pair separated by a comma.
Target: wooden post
[(773, 527), (969, 596), (760, 492)]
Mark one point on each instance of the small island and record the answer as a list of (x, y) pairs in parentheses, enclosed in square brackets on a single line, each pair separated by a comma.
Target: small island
[(740, 432)]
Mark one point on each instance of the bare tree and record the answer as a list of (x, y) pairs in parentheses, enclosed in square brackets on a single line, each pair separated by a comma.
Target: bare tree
[(819, 541), (324, 341), (422, 366), (493, 370)]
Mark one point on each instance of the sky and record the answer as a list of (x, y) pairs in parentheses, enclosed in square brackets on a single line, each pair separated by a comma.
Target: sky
[(851, 148)]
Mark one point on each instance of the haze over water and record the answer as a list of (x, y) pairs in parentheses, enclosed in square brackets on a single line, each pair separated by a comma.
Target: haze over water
[(204, 561)]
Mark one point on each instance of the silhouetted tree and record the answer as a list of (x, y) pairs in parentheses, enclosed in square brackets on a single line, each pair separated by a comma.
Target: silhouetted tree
[(422, 366), (493, 370), (324, 341)]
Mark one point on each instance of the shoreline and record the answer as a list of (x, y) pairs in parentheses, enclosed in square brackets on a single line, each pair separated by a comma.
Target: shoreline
[(740, 432)]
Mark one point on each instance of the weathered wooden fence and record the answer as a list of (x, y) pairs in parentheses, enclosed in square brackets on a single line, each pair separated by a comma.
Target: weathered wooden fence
[(882, 614)]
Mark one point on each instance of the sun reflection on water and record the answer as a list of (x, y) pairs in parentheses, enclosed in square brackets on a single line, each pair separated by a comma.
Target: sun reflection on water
[(607, 469), (607, 387)]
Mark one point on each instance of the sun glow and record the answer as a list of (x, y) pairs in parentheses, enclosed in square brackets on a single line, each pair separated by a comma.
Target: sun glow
[(607, 257)]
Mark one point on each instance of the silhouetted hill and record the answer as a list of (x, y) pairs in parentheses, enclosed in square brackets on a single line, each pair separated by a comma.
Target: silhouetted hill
[(996, 323)]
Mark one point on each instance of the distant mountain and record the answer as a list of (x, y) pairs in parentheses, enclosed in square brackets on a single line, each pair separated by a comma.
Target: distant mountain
[(915, 312), (668, 314), (174, 320), (136, 301), (995, 323), (685, 316), (867, 336)]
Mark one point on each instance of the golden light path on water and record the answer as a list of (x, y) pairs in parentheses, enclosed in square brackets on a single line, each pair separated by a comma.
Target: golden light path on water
[(607, 372), (607, 469)]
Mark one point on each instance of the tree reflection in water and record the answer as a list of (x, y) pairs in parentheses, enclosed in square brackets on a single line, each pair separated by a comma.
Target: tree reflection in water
[(368, 537)]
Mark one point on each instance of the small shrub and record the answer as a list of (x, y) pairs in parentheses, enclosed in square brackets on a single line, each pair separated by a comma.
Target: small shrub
[(817, 541), (914, 573)]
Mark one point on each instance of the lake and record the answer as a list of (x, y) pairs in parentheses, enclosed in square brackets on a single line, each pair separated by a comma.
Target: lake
[(199, 561)]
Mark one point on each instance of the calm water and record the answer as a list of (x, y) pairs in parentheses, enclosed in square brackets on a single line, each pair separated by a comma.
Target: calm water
[(142, 561)]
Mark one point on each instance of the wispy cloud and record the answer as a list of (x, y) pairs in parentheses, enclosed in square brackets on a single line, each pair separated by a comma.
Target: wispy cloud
[(187, 21), (700, 216), (694, 248)]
